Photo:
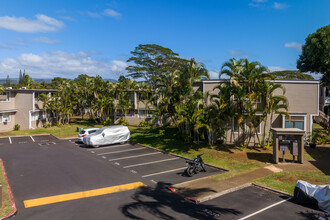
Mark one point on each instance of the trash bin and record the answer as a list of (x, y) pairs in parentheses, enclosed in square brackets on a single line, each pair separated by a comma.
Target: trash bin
[(79, 129)]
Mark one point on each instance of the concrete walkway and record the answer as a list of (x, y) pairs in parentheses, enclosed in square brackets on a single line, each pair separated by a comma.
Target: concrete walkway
[(207, 188)]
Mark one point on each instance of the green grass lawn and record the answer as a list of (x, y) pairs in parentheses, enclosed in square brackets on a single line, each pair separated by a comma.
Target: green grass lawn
[(6, 208), (63, 131), (286, 181)]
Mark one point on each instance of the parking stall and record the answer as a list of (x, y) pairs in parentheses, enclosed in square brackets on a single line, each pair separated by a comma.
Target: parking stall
[(151, 164), (5, 141), (22, 140)]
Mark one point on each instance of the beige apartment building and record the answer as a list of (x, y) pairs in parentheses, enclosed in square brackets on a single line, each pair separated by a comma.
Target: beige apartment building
[(140, 111), (21, 106), (303, 99)]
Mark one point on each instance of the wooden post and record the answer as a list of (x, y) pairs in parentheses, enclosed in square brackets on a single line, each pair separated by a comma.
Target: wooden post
[(275, 147), (301, 149)]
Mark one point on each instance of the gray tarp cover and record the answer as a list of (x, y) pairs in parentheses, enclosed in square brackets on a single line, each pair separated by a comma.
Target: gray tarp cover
[(321, 193), (109, 135)]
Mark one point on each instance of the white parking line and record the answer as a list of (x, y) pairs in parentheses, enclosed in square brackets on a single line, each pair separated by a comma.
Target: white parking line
[(101, 148), (10, 140), (157, 161), (264, 209), (121, 151), (32, 138), (141, 155), (167, 171)]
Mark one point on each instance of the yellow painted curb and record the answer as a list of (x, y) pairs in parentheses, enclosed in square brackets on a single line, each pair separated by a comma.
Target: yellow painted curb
[(80, 195)]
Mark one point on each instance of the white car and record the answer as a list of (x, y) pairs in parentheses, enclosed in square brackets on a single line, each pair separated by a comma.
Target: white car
[(108, 135), (86, 132)]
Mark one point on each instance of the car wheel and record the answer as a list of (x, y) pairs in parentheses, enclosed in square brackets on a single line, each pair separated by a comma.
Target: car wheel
[(96, 146), (124, 142)]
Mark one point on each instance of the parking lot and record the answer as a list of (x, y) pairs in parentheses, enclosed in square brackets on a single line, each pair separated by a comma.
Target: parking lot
[(43, 166), (150, 164)]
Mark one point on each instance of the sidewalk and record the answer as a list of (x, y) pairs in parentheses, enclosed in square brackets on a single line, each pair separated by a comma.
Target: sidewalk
[(207, 188)]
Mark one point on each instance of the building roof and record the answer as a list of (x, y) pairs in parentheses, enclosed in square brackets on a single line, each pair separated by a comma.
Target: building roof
[(276, 81), (30, 90)]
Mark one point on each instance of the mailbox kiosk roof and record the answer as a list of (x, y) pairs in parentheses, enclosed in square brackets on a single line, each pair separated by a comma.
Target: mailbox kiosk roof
[(288, 130)]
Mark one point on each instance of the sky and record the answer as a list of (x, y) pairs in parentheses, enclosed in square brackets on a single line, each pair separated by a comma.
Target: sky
[(66, 38)]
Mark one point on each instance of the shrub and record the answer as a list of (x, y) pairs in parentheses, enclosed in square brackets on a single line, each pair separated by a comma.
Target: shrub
[(123, 122), (58, 124), (107, 122), (17, 127), (144, 124), (47, 125)]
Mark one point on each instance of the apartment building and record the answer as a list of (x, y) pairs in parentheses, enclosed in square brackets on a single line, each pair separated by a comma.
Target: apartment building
[(325, 100), (303, 99), (21, 106), (140, 111)]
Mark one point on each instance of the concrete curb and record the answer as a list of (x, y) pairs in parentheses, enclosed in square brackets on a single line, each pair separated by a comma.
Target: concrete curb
[(27, 135), (218, 194), (210, 197), (12, 201), (270, 189)]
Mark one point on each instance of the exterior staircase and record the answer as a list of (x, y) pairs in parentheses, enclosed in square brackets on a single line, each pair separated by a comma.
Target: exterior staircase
[(323, 120)]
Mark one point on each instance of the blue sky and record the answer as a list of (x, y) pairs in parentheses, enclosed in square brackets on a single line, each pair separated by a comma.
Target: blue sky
[(67, 38)]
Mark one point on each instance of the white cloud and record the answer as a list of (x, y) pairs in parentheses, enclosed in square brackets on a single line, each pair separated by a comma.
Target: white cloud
[(278, 5), (235, 52), (112, 13), (275, 68), (42, 23), (295, 45), (18, 42), (106, 12), (45, 40), (61, 64), (67, 18), (94, 15), (214, 74)]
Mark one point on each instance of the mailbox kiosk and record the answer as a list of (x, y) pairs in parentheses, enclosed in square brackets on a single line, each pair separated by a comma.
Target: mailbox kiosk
[(288, 140)]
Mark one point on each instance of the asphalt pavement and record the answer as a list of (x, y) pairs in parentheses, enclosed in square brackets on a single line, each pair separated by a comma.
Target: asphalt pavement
[(45, 168)]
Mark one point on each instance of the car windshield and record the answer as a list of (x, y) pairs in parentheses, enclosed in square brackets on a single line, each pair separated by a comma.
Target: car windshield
[(82, 132)]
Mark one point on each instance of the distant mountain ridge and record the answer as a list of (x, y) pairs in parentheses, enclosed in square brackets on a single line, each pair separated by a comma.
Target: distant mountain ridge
[(38, 80)]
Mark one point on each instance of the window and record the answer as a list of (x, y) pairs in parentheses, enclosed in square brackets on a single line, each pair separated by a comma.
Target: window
[(36, 95), (295, 124), (4, 97), (236, 127), (258, 126), (145, 114), (39, 115), (5, 117), (130, 114)]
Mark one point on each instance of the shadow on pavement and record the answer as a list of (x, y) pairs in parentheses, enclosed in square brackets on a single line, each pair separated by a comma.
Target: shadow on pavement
[(160, 203)]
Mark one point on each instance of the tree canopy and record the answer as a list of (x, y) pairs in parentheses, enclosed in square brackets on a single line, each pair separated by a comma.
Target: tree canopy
[(151, 61), (291, 74), (315, 56)]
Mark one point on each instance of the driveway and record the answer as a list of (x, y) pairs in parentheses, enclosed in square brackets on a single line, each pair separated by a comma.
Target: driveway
[(58, 179)]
